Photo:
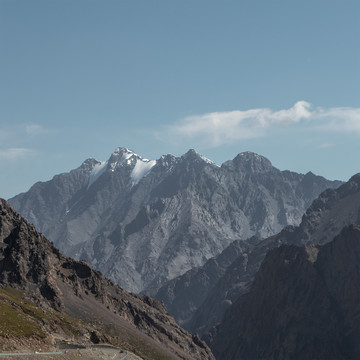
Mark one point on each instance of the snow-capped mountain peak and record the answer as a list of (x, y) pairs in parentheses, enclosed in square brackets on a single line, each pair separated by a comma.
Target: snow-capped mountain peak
[(97, 171), (194, 155), (123, 158), (142, 168), (142, 221), (122, 154), (122, 150)]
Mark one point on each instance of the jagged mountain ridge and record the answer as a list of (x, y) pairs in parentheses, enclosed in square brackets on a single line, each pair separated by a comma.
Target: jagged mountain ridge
[(324, 219), (143, 222), (29, 262), (304, 304)]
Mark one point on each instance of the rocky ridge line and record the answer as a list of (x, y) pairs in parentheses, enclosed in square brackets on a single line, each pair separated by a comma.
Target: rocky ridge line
[(143, 222), (28, 261)]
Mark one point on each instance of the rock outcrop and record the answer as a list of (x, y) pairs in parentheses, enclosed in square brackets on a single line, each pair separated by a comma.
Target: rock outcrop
[(29, 262)]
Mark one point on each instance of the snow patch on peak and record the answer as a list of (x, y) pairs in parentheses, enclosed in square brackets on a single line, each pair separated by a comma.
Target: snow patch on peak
[(97, 171), (122, 155), (207, 160), (126, 156), (251, 155), (119, 150), (193, 154), (168, 161), (89, 164), (141, 169), (125, 152)]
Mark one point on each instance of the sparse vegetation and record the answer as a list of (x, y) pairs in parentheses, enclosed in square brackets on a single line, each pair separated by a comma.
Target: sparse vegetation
[(146, 350), (21, 317), (56, 307), (136, 344), (14, 321)]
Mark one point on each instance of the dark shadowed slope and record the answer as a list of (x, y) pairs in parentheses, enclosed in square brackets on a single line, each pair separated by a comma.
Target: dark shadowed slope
[(184, 294), (304, 304)]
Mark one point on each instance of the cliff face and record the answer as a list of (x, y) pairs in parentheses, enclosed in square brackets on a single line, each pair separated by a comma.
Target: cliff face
[(29, 262), (144, 222), (304, 304)]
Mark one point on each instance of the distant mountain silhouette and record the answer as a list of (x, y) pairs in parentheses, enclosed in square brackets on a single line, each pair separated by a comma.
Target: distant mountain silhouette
[(144, 222)]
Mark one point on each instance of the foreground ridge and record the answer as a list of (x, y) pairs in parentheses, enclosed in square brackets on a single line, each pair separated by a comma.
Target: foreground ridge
[(304, 304), (52, 281)]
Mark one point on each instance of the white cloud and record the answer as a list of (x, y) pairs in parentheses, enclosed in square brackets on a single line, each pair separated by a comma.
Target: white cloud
[(342, 119), (300, 111), (34, 129), (15, 153), (217, 128)]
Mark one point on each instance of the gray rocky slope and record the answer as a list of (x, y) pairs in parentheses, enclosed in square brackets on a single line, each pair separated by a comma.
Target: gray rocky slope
[(30, 263), (326, 217), (304, 304), (143, 222), (183, 295)]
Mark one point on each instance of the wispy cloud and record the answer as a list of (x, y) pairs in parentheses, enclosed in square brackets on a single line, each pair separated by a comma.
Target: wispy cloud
[(342, 119), (217, 128), (15, 153), (35, 129)]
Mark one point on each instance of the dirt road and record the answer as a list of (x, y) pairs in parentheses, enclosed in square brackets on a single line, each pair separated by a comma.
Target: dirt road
[(76, 354)]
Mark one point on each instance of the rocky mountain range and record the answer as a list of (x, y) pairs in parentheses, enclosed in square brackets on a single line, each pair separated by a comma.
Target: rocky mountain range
[(47, 296), (333, 210), (304, 304), (143, 222)]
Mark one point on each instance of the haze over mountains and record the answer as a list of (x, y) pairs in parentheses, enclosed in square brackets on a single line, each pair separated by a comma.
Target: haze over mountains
[(143, 222)]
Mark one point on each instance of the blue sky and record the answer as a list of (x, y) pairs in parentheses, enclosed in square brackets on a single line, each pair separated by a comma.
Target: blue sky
[(81, 77)]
